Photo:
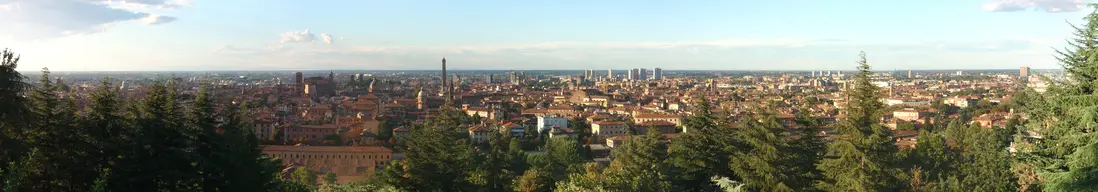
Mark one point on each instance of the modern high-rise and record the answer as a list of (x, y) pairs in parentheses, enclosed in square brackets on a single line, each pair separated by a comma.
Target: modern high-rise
[(299, 78), (657, 74), (643, 74), (609, 74), (1024, 72), (488, 79), (910, 75), (632, 74)]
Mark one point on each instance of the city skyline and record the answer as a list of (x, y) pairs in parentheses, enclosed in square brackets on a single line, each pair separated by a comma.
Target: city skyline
[(170, 35)]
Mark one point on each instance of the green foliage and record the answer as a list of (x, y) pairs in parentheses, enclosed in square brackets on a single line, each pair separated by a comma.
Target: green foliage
[(702, 151), (304, 176), (639, 165), (15, 174), (768, 161), (864, 158), (330, 178), (1065, 115)]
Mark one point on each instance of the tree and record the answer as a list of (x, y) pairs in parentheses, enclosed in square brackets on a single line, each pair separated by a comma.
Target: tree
[(15, 113), (158, 157), (563, 157), (498, 162), (330, 178), (15, 174), (863, 159), (210, 146), (438, 155), (639, 166), (986, 163), (108, 129), (701, 151), (533, 180), (54, 132), (304, 176), (761, 161), (1064, 116)]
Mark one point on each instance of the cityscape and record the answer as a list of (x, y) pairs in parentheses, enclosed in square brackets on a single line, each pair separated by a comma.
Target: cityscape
[(305, 114)]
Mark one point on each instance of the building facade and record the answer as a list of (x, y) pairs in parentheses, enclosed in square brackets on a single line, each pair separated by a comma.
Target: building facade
[(348, 163)]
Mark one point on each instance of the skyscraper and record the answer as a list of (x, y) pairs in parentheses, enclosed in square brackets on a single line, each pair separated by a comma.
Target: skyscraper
[(910, 75), (1024, 71), (632, 74), (657, 74), (609, 74), (643, 74), (299, 78)]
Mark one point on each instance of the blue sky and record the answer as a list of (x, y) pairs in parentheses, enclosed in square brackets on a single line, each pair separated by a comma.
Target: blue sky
[(563, 34)]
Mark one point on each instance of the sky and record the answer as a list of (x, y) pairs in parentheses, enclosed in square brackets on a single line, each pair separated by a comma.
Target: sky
[(205, 35)]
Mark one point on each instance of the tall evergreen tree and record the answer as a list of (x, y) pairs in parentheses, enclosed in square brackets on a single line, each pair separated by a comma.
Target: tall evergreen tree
[(863, 158), (108, 132), (702, 151), (1064, 117), (438, 156), (763, 162), (14, 114), (159, 158), (209, 145)]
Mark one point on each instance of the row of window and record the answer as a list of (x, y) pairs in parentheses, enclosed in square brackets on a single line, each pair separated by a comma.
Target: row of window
[(284, 156)]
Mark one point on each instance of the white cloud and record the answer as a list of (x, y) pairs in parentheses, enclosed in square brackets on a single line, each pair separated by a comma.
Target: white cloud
[(327, 38), (1051, 6), (297, 37), (43, 19), (153, 19)]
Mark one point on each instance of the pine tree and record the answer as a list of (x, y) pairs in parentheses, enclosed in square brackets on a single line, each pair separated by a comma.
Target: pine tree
[(702, 151), (1064, 117), (54, 133), (108, 131), (986, 163), (498, 162), (209, 145), (438, 156), (863, 158), (14, 114), (761, 162), (932, 158), (639, 165), (159, 157), (249, 169)]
